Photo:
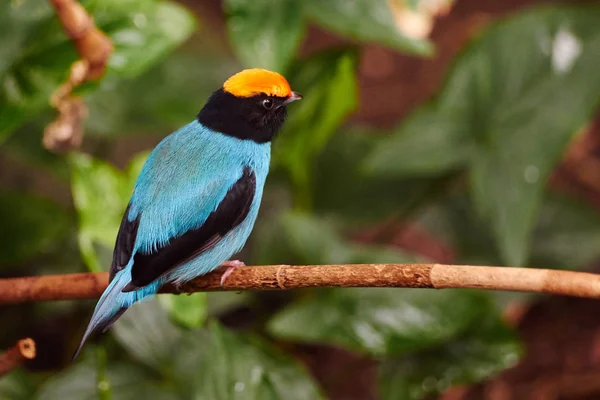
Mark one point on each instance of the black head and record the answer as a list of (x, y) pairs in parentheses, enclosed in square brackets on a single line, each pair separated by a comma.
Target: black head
[(258, 117)]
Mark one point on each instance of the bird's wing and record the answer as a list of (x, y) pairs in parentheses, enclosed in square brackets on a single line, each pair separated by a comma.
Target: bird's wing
[(231, 211), (147, 267), (175, 216)]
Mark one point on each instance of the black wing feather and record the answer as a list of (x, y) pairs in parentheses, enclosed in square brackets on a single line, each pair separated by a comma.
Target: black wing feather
[(124, 244), (230, 213)]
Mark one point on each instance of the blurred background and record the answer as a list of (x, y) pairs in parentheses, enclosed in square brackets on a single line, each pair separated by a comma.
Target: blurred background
[(430, 131)]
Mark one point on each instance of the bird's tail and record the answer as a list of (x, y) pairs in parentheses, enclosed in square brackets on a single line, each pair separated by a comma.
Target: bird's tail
[(112, 304)]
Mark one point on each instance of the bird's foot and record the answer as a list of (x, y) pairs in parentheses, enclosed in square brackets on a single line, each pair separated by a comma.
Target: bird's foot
[(231, 266)]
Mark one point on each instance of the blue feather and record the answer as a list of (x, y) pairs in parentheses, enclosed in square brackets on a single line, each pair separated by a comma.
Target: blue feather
[(183, 181)]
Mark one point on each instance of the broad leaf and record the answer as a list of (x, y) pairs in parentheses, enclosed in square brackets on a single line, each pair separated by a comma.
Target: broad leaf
[(135, 167), (528, 111), (566, 236), (432, 141), (188, 310), (366, 20), (328, 83), (343, 189), (485, 350), (264, 33), (213, 363), (509, 107), (30, 225), (100, 193), (381, 322), (26, 148), (142, 32), (37, 55), (239, 366), (296, 238), (126, 382), (147, 334), (180, 84), (453, 220), (17, 385), (35, 58), (219, 303)]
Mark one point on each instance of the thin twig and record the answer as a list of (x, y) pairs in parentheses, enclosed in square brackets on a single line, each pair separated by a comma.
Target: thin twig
[(273, 277), (94, 48), (14, 357)]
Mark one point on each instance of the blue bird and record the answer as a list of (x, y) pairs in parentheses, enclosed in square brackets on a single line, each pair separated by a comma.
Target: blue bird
[(197, 197)]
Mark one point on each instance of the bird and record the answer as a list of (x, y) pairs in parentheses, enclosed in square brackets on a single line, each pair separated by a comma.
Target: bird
[(196, 199)]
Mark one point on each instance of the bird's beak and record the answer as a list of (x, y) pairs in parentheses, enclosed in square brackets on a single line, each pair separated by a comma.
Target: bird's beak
[(295, 96)]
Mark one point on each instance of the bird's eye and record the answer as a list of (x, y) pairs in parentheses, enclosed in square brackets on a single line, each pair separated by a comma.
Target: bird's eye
[(267, 103)]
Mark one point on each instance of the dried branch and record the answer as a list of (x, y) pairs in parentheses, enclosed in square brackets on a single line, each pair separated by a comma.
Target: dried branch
[(273, 277), (14, 357), (94, 48)]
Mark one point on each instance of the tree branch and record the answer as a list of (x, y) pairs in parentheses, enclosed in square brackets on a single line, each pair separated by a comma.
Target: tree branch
[(94, 49), (273, 277), (14, 357)]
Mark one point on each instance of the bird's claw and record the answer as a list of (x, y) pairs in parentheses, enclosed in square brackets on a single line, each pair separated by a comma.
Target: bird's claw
[(231, 266)]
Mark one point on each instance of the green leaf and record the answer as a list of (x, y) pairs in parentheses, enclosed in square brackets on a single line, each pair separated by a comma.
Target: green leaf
[(30, 225), (509, 107), (35, 58), (381, 322), (263, 33), (328, 83), (567, 234), (342, 188), (219, 303), (430, 142), (297, 238), (213, 363), (189, 311), (236, 366), (135, 166), (179, 83), (100, 193), (527, 115), (485, 350), (142, 32), (366, 20), (37, 55), (26, 148), (127, 381), (453, 220), (17, 385), (147, 334)]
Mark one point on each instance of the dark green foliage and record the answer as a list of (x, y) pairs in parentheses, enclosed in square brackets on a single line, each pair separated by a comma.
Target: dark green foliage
[(30, 225), (266, 34), (488, 117), (328, 83), (485, 349), (36, 54), (380, 322)]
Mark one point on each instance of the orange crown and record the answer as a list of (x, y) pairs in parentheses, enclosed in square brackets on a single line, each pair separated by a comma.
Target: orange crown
[(250, 82)]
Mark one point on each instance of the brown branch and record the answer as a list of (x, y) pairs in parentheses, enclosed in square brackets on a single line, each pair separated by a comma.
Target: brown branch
[(94, 48), (273, 277), (14, 357)]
